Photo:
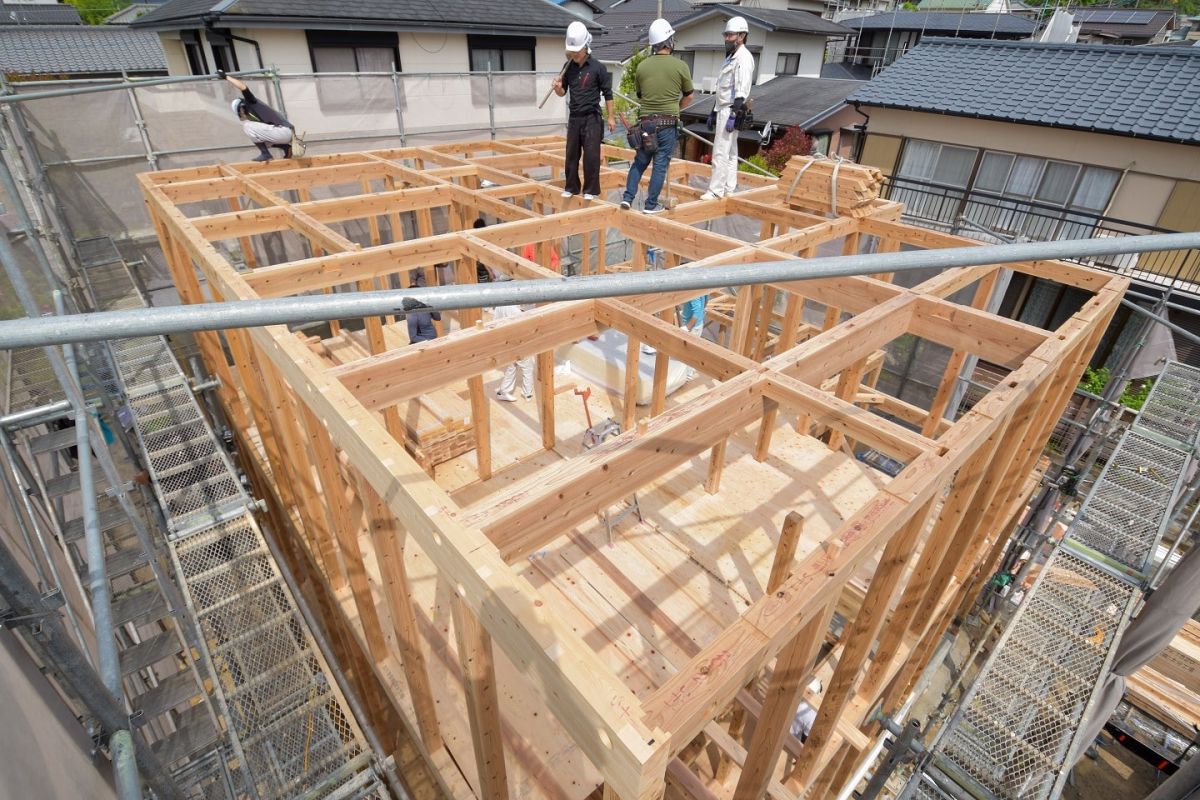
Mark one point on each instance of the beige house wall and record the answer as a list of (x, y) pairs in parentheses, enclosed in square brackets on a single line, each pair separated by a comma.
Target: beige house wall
[(1150, 167), (708, 33)]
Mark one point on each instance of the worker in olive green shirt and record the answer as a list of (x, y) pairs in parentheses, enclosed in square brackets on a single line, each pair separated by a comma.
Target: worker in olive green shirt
[(664, 86)]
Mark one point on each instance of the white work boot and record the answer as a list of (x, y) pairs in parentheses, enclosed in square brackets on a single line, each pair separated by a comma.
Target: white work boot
[(709, 195), (507, 397)]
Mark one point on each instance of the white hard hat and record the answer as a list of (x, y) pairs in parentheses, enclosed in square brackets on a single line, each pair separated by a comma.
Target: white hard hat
[(237, 107), (660, 31), (577, 37), (737, 25)]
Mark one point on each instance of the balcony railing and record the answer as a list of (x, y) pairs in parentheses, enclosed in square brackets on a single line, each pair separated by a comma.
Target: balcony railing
[(993, 218)]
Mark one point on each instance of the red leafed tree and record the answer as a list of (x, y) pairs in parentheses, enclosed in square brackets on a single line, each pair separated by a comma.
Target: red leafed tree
[(793, 143)]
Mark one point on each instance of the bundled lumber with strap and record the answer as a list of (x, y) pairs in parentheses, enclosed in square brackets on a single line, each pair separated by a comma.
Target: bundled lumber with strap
[(828, 185)]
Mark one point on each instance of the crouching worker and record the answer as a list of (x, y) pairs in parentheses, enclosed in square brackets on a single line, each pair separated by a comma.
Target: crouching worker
[(265, 126)]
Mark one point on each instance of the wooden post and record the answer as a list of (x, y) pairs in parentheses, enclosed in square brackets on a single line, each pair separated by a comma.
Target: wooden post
[(716, 464), (658, 402), (346, 529), (247, 246), (793, 671), (766, 429), (481, 425), (766, 313), (632, 363), (858, 641), (847, 389), (545, 376), (785, 550), (483, 700), (387, 537)]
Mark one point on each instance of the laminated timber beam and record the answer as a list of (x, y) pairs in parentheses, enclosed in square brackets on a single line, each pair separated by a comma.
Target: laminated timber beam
[(476, 548)]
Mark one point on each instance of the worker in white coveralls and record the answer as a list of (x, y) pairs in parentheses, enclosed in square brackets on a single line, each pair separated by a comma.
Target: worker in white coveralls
[(265, 126), (733, 87), (508, 383)]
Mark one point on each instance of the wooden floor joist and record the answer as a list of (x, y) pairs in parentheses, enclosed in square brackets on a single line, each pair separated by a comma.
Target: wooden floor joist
[(534, 651)]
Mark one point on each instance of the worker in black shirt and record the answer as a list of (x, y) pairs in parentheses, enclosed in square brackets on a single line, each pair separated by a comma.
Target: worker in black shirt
[(265, 126), (587, 79)]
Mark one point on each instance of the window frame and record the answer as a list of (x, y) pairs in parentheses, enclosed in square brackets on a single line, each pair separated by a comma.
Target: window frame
[(353, 41), (788, 56), (476, 41)]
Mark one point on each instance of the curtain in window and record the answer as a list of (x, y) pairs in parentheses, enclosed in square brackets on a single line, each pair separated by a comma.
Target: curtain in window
[(1095, 188)]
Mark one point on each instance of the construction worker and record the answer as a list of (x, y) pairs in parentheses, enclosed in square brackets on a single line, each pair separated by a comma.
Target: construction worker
[(587, 80), (691, 317), (420, 323), (525, 365), (733, 87), (265, 126), (664, 86)]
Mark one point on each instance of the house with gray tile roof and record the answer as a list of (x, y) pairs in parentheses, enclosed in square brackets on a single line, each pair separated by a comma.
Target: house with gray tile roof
[(38, 14), (1124, 25), (301, 36), (882, 38), (1037, 140), (78, 51)]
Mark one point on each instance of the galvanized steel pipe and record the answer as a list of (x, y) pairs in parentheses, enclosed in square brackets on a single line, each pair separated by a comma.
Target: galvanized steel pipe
[(319, 308)]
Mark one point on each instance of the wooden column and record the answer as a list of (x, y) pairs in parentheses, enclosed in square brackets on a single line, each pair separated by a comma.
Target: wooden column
[(793, 671), (785, 550), (347, 528), (483, 700), (847, 389), (766, 429), (716, 464), (247, 245), (545, 380), (388, 539), (481, 426), (658, 402), (632, 361), (858, 641)]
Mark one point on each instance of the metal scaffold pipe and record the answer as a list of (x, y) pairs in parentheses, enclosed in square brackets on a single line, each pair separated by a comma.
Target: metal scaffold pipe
[(32, 332)]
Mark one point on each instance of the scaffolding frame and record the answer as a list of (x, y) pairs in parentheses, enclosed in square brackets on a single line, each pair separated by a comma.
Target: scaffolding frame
[(957, 490)]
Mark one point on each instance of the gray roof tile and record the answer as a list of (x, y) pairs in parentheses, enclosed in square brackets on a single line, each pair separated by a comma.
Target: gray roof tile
[(38, 14), (787, 100), (78, 49), (625, 26), (509, 16), (771, 19), (1128, 91)]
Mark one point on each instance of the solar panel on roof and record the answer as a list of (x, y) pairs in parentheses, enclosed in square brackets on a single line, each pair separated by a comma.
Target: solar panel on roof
[(1107, 16)]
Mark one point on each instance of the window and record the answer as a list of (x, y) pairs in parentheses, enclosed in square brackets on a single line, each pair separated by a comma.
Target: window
[(933, 162), (351, 51), (787, 64), (502, 54), (688, 57), (224, 56), (193, 50), (355, 52)]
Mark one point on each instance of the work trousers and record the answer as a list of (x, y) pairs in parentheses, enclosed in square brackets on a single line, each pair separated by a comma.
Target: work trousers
[(584, 134), (509, 381), (724, 157), (666, 137)]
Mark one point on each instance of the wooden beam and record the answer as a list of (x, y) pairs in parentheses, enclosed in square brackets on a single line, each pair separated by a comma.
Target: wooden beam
[(695, 351), (545, 382), (785, 550), (400, 375)]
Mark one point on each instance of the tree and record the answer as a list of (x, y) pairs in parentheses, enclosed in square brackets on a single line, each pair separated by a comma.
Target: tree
[(793, 143), (628, 86), (95, 12)]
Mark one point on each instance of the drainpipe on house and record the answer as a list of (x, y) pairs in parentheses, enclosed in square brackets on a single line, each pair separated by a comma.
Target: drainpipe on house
[(862, 133)]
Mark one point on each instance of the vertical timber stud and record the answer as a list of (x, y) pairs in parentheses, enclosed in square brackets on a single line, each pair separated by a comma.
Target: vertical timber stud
[(785, 550), (793, 670), (333, 491), (481, 424), (545, 376), (387, 537), (483, 700), (766, 429), (847, 389), (658, 402), (716, 464), (859, 638), (632, 365)]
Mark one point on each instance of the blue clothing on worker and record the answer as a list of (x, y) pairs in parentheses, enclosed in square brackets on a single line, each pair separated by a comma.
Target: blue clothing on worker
[(692, 312), (420, 326)]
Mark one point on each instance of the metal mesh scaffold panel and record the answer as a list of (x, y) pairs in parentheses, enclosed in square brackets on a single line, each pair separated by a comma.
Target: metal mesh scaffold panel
[(289, 717), (1123, 516), (1016, 725), (291, 735), (1172, 408)]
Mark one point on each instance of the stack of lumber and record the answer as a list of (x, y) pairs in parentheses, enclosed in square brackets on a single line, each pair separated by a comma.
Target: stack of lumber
[(437, 427), (1167, 687), (808, 184)]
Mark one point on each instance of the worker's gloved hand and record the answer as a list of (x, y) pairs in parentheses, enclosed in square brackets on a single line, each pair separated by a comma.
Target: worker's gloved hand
[(221, 74), (712, 120), (730, 123)]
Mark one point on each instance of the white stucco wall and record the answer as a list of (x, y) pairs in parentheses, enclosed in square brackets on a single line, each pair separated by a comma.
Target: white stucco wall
[(708, 62)]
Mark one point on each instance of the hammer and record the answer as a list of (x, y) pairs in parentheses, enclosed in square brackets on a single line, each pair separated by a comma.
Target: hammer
[(561, 72)]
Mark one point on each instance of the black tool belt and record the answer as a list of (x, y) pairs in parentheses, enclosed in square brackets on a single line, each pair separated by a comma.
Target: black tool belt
[(660, 120)]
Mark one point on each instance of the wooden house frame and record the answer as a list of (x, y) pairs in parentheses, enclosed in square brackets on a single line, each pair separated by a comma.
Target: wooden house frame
[(327, 442)]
